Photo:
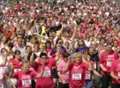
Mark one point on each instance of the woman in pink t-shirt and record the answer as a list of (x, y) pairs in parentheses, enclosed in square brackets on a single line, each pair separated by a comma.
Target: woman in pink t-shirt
[(115, 73), (63, 75), (77, 73), (25, 76), (44, 77), (16, 62)]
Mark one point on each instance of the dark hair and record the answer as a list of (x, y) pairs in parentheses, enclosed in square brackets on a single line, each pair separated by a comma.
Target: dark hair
[(10, 45), (3, 50), (48, 42), (79, 21), (55, 28), (66, 55), (43, 54), (17, 52), (91, 21), (27, 46)]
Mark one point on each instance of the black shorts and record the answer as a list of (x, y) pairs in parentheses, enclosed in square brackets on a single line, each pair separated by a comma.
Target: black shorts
[(33, 83), (54, 73), (61, 85), (115, 85), (106, 81)]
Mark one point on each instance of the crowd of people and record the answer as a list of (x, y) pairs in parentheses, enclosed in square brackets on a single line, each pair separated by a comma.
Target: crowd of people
[(60, 44)]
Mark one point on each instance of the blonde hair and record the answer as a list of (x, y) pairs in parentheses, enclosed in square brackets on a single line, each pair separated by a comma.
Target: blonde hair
[(78, 56), (25, 64)]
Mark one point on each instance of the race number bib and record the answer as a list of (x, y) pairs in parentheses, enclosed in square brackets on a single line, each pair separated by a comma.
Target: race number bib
[(77, 76), (26, 83), (47, 73), (17, 70), (109, 63)]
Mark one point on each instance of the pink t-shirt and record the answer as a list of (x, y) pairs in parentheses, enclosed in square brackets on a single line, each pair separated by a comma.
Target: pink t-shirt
[(118, 43), (106, 59), (77, 74), (116, 69), (46, 80), (64, 77), (87, 75), (16, 64), (24, 79), (52, 62)]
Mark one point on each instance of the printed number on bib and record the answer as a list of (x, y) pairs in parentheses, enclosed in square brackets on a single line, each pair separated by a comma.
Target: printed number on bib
[(109, 63), (46, 73), (77, 76), (17, 70), (26, 83)]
